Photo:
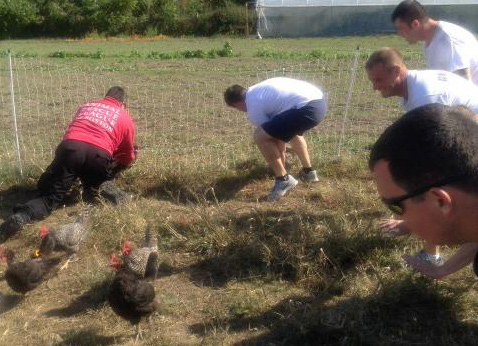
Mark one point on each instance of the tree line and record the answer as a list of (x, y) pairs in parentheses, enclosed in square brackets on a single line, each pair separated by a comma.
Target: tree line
[(80, 18)]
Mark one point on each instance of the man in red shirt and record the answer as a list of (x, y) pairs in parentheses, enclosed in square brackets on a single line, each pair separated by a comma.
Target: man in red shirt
[(98, 143)]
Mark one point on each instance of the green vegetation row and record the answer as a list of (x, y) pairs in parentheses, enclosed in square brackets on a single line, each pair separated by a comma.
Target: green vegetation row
[(225, 52), (73, 18)]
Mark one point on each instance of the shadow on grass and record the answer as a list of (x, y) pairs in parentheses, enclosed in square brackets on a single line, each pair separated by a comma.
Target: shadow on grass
[(286, 245), (180, 190), (94, 298), (9, 302), (19, 194), (408, 312), (14, 195), (85, 337), (165, 270)]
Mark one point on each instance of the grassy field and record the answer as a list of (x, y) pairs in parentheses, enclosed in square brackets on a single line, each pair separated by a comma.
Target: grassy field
[(311, 269)]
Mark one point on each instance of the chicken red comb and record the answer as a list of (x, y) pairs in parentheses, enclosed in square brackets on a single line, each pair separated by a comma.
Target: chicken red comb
[(115, 261), (44, 231), (3, 253), (126, 247)]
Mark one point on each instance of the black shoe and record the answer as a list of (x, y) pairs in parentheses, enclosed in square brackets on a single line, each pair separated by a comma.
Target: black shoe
[(12, 225), (113, 193)]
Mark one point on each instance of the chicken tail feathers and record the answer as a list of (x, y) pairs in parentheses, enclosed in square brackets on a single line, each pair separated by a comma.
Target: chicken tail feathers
[(149, 238)]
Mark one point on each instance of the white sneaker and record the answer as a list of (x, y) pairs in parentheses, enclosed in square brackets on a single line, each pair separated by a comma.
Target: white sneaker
[(281, 187), (310, 177), (432, 259)]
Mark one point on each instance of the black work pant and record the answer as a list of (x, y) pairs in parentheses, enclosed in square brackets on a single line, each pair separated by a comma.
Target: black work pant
[(73, 160)]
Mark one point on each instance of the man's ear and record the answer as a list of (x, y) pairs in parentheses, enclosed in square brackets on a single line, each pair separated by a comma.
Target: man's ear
[(396, 71), (414, 24), (442, 200)]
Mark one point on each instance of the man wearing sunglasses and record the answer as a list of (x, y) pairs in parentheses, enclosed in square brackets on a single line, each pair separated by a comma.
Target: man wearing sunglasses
[(389, 75), (425, 166)]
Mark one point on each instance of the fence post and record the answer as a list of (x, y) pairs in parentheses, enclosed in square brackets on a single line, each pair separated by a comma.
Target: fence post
[(14, 114), (347, 102), (247, 19)]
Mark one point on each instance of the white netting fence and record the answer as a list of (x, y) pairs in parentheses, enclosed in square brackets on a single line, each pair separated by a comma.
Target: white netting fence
[(181, 117)]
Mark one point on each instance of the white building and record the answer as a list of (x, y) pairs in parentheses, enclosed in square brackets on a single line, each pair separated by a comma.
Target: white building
[(302, 18)]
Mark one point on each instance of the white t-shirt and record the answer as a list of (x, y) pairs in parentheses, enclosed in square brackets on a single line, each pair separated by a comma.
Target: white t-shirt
[(277, 95), (431, 86), (452, 48)]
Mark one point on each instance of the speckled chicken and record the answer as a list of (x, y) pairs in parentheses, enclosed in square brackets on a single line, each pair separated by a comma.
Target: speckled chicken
[(143, 261), (25, 276), (130, 296), (65, 237)]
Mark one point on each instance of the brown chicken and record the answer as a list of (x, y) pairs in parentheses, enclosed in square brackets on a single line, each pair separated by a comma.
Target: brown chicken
[(25, 276), (130, 296)]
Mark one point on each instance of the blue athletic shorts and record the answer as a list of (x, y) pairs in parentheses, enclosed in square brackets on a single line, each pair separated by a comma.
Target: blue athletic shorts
[(293, 122)]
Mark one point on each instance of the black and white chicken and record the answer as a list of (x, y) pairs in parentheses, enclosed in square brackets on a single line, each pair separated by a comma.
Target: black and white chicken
[(67, 237), (144, 260)]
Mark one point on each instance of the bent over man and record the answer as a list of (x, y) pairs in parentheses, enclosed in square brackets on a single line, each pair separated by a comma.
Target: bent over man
[(425, 166), (98, 142), (447, 46), (389, 75), (282, 109)]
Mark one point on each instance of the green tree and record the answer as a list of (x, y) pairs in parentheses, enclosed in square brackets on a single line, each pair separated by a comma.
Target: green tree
[(115, 16), (17, 17)]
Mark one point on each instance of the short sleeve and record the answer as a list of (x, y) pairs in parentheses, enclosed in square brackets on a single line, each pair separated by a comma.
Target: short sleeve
[(459, 58), (256, 113)]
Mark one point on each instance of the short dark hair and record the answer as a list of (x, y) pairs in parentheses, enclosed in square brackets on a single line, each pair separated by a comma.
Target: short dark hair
[(408, 11), (428, 144), (234, 94), (386, 56), (117, 92)]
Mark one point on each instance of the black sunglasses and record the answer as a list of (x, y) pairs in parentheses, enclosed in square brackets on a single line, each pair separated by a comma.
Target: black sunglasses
[(395, 204)]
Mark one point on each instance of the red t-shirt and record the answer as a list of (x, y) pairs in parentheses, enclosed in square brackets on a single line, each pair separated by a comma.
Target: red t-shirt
[(107, 125)]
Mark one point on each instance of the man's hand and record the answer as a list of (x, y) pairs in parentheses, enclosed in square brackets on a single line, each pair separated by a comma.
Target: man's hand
[(117, 168), (424, 267), (393, 227)]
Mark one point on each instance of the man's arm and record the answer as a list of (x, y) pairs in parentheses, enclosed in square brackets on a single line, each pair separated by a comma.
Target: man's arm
[(125, 153), (460, 259)]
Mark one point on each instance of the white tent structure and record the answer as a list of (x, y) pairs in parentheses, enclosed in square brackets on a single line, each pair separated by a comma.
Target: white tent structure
[(302, 18)]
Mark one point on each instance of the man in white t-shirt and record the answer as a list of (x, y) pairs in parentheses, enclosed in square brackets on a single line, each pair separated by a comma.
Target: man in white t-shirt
[(447, 46), (389, 75), (282, 109)]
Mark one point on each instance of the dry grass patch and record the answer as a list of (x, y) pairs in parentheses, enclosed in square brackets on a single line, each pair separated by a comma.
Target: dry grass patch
[(310, 269)]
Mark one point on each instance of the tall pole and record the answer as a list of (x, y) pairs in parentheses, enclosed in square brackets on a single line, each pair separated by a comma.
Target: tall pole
[(348, 100), (14, 114), (247, 19)]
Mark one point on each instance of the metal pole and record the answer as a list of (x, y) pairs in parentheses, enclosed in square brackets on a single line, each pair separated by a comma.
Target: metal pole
[(14, 114), (349, 98), (247, 19)]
